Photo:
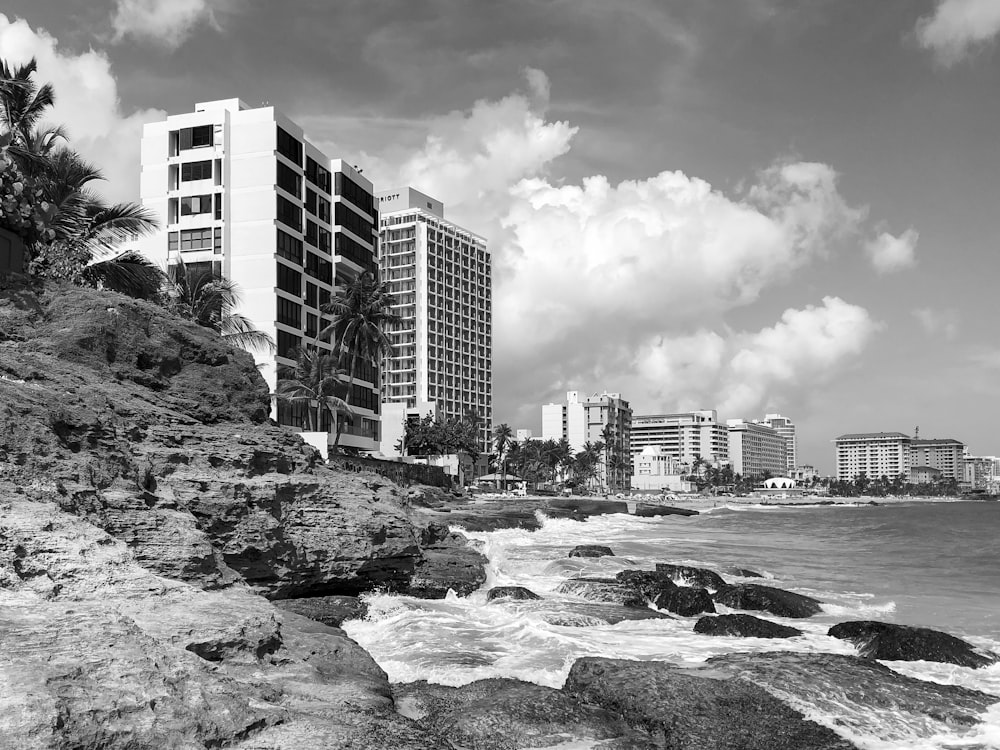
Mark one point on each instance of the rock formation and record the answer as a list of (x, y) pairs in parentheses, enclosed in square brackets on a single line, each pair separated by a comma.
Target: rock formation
[(744, 626), (891, 642), (767, 599)]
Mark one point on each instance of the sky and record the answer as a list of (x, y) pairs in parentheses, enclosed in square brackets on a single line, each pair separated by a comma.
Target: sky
[(748, 205)]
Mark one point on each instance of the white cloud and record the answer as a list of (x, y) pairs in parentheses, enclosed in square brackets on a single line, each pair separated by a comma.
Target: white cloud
[(166, 23), (588, 274), (938, 322), (87, 104), (888, 253), (957, 28)]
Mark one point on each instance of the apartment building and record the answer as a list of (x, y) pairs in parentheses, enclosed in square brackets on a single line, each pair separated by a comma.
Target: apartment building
[(873, 454), (683, 436), (240, 190), (442, 278), (604, 417), (786, 428), (944, 454), (756, 448)]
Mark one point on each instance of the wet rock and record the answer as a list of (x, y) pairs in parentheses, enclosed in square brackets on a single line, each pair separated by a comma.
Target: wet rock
[(690, 576), (649, 510), (767, 599), (329, 610), (590, 550), (861, 693), (891, 642), (580, 615), (510, 592), (695, 710), (685, 601), (449, 565), (504, 714), (586, 508), (745, 573), (744, 626), (646, 585), (599, 590)]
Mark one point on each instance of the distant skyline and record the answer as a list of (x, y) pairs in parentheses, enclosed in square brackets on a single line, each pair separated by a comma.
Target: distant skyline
[(744, 205)]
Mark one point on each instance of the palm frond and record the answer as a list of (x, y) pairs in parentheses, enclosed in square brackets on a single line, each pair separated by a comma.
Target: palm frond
[(239, 331), (129, 273)]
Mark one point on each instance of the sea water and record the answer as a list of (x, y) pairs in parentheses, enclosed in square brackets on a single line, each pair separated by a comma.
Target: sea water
[(929, 564)]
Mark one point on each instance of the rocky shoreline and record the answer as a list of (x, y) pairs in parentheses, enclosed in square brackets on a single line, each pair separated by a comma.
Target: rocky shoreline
[(174, 571)]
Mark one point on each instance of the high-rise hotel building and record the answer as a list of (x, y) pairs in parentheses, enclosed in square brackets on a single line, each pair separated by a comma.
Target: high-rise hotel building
[(682, 436), (240, 190), (442, 351)]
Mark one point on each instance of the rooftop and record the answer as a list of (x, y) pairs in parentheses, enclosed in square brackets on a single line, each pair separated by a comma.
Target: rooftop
[(935, 441), (872, 436)]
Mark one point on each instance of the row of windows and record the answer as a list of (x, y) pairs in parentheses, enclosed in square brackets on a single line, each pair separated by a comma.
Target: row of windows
[(317, 175), (317, 236), (289, 147), (352, 191), (355, 252), (353, 221), (188, 138), (317, 205), (196, 170), (289, 247), (195, 239), (289, 280), (192, 205), (289, 214), (289, 180), (319, 268), (289, 313)]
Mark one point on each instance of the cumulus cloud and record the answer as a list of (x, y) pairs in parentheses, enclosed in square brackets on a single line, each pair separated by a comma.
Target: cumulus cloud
[(86, 102), (938, 322), (888, 253), (957, 28), (588, 274), (166, 23)]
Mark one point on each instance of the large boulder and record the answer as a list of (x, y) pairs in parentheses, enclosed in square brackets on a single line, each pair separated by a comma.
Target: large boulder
[(591, 550), (685, 601), (510, 592), (687, 575), (583, 508), (891, 642), (744, 626), (329, 610), (599, 590), (648, 510), (646, 585), (586, 614), (694, 709), (778, 602)]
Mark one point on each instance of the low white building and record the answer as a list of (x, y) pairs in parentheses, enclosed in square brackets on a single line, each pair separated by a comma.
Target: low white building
[(656, 468)]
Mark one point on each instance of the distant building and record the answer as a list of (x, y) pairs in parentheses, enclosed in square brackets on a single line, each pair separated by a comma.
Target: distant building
[(683, 436), (944, 454), (804, 474), (873, 454), (657, 469), (981, 473), (784, 427), (755, 448), (604, 417), (522, 435), (442, 279), (924, 474), (395, 416)]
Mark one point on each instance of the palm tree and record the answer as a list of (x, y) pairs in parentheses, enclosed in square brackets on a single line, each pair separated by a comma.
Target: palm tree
[(315, 381), (22, 101), (210, 299), (502, 438), (361, 315)]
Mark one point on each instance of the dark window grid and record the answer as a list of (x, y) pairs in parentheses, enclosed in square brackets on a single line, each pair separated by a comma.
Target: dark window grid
[(196, 170), (196, 204), (289, 147), (289, 280), (289, 180), (289, 247)]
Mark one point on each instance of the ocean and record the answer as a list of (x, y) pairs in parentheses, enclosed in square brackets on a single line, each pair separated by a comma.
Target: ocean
[(932, 564)]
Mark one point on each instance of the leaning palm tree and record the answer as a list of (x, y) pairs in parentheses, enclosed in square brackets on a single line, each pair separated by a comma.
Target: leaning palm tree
[(210, 300), (361, 314), (315, 381), (503, 436), (22, 101)]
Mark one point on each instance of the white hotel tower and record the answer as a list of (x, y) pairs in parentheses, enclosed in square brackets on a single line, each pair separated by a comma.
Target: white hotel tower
[(240, 190), (442, 352)]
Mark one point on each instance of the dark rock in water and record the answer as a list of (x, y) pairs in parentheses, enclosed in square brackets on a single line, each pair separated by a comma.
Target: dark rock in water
[(501, 714), (861, 693), (685, 601), (646, 585), (891, 642), (510, 592), (692, 709), (590, 550), (648, 510), (744, 626), (586, 614), (329, 610), (744, 573), (599, 590), (447, 564), (692, 576), (587, 508), (767, 599)]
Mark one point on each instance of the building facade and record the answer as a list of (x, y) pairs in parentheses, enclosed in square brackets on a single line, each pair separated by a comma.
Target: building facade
[(241, 191), (873, 454), (656, 469), (946, 455), (683, 436), (784, 427), (602, 417), (756, 449), (442, 279)]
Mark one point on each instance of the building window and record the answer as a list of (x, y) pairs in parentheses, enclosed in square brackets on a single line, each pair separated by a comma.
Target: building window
[(197, 137), (287, 344), (289, 213), (218, 240), (319, 268), (172, 241), (289, 180), (289, 313), (196, 170), (353, 221), (312, 233), (317, 175), (290, 148), (196, 239), (196, 204), (311, 297), (289, 247), (289, 280), (352, 191)]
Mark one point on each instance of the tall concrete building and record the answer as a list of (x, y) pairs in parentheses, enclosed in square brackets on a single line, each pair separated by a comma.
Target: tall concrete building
[(945, 455), (242, 191), (683, 436), (442, 279), (873, 454), (756, 448), (784, 427), (604, 417)]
